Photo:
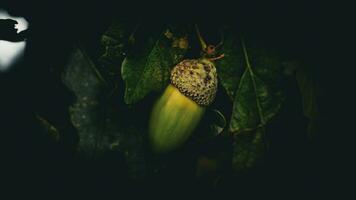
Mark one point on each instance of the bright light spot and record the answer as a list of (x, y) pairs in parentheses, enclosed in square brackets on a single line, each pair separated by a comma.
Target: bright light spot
[(11, 51)]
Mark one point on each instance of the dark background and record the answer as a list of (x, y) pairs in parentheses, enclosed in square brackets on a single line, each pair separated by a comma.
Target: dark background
[(296, 166)]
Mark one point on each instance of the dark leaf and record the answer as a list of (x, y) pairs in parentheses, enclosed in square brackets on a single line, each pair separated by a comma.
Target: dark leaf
[(97, 122), (232, 66), (309, 91), (85, 113), (148, 69), (248, 148), (217, 122), (257, 98), (115, 43)]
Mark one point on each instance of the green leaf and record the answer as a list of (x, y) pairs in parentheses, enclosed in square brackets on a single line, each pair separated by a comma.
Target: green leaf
[(232, 66), (258, 97), (248, 148), (148, 69)]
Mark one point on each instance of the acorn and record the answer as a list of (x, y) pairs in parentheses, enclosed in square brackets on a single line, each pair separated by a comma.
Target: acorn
[(178, 111)]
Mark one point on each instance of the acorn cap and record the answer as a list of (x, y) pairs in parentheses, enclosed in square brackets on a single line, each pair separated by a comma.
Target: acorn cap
[(196, 79)]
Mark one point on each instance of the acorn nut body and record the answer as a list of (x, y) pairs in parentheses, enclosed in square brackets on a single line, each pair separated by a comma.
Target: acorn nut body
[(179, 110)]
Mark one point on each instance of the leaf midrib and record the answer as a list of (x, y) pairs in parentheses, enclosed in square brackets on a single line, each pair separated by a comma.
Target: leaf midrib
[(253, 81)]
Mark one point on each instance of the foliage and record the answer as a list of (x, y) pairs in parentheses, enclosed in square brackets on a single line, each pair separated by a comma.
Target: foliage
[(134, 68)]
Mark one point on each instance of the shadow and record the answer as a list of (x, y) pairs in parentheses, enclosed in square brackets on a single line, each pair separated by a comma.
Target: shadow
[(8, 31)]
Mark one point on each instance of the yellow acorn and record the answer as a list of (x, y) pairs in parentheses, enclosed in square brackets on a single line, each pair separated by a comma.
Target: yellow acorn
[(175, 115)]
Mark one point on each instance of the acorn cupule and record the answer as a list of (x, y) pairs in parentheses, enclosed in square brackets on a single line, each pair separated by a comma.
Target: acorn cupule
[(179, 110)]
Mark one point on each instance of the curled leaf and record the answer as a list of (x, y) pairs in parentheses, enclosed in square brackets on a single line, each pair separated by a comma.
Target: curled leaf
[(217, 122)]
